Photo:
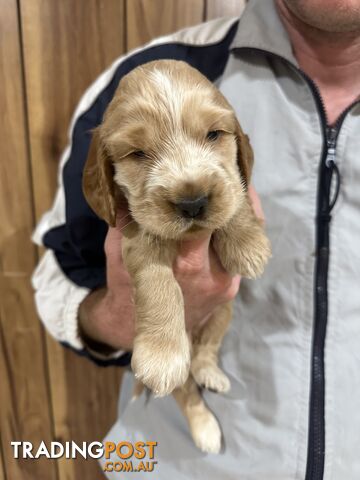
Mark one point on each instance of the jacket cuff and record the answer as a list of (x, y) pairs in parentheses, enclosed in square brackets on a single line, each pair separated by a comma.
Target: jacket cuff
[(57, 300), (71, 320)]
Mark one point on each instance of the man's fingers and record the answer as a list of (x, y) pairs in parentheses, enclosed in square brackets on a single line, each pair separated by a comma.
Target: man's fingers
[(255, 200), (193, 254)]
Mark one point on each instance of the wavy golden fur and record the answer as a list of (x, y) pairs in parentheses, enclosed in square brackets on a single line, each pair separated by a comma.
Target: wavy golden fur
[(171, 146)]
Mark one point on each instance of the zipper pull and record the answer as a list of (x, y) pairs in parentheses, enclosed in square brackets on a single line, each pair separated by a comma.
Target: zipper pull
[(330, 160), (330, 157)]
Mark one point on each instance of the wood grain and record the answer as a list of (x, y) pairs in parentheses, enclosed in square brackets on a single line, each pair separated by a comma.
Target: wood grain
[(24, 398), (75, 41), (2, 466), (221, 8), (67, 44), (25, 404), (85, 406), (147, 19)]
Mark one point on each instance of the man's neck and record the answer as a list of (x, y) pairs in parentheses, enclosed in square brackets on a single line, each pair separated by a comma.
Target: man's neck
[(332, 60)]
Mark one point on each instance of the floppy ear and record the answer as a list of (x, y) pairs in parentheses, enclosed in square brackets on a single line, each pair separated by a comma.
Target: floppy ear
[(245, 155), (97, 182)]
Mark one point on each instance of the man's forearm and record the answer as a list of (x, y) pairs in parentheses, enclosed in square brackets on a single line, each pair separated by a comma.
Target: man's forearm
[(105, 323)]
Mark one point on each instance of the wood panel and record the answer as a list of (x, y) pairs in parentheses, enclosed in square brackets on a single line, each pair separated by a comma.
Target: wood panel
[(2, 466), (224, 8), (24, 398), (85, 406), (67, 45), (147, 19)]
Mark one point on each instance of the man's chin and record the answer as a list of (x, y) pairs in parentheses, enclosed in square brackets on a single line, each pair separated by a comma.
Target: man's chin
[(331, 16)]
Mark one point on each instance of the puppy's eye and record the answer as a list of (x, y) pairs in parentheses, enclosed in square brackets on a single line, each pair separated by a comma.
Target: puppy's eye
[(139, 154), (213, 135)]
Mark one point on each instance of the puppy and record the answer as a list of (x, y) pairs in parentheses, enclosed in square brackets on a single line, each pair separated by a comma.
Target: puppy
[(170, 144)]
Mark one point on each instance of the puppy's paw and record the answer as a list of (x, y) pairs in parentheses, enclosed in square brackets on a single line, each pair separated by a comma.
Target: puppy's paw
[(206, 432), (254, 257), (247, 255), (161, 368), (209, 376)]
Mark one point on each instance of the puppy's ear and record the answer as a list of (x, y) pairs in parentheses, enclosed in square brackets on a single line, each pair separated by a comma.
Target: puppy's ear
[(245, 155), (97, 182)]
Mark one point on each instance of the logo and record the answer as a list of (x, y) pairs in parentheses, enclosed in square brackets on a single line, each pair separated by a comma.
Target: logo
[(119, 457), (137, 457)]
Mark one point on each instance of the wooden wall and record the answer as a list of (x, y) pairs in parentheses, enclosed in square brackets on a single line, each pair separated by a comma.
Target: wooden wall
[(50, 51)]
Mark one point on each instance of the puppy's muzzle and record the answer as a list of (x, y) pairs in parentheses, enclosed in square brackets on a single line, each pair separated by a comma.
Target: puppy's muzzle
[(192, 207)]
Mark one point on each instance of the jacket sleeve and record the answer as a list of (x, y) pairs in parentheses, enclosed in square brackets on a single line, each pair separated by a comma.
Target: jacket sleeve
[(74, 263)]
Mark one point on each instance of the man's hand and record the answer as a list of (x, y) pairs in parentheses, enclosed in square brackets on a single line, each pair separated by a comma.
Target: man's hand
[(107, 315)]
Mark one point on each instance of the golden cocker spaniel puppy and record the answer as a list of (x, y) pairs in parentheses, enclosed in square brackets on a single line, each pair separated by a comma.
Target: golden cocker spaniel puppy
[(170, 144)]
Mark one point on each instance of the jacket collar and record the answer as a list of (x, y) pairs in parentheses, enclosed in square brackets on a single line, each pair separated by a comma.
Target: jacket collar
[(261, 28)]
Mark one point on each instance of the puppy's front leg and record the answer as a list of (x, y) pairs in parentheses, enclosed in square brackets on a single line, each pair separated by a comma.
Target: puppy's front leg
[(161, 353), (242, 245)]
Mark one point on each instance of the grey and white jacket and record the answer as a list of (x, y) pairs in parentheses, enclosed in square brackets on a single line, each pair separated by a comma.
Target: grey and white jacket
[(293, 350)]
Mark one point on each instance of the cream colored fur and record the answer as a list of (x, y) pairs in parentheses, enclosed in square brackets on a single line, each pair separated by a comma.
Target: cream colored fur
[(152, 150)]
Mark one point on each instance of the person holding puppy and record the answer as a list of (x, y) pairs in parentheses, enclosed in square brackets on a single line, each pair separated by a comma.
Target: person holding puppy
[(291, 71)]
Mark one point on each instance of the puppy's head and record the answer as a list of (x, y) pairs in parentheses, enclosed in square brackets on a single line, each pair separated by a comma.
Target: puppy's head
[(171, 145)]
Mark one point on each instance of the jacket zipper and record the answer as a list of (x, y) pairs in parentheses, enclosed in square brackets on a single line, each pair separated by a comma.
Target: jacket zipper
[(325, 203), (326, 200), (316, 435)]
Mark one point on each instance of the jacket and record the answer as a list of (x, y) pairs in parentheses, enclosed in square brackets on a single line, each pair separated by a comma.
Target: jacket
[(292, 352)]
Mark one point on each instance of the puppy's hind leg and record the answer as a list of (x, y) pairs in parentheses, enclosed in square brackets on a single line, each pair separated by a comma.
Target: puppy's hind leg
[(206, 343), (204, 427)]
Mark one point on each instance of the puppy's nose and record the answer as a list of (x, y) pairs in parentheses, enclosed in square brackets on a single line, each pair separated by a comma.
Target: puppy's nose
[(192, 207)]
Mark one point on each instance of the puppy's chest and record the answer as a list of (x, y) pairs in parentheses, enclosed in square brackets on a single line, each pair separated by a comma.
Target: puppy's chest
[(141, 249)]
